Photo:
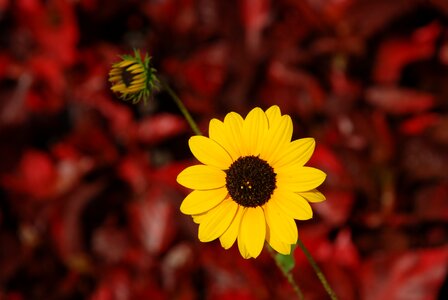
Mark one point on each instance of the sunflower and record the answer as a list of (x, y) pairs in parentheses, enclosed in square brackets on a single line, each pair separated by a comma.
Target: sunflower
[(252, 184), (133, 77)]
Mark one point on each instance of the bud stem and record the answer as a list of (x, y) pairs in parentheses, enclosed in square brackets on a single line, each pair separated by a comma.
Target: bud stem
[(316, 268), (182, 107), (287, 273)]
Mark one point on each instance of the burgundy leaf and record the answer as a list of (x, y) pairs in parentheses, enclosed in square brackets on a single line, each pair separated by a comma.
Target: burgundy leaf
[(337, 208), (396, 53), (399, 100), (411, 275), (419, 124), (255, 16), (152, 220), (160, 127)]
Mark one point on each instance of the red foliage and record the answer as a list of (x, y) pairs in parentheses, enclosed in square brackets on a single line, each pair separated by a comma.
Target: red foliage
[(89, 204), (395, 53)]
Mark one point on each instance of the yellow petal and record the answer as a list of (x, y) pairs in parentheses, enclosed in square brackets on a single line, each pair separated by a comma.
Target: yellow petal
[(254, 131), (234, 120), (200, 177), (199, 218), (281, 225), (313, 196), (115, 71), (233, 125), (217, 220), (209, 152), (139, 76), (292, 204), (277, 138), (138, 80), (223, 137), (134, 88), (297, 152), (123, 64), (198, 201), (273, 114), (138, 71), (275, 243), (115, 78), (118, 87), (253, 230), (242, 247), (228, 238), (299, 179), (134, 67)]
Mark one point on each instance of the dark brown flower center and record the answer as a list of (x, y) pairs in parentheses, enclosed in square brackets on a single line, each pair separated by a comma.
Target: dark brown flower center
[(250, 181), (126, 76)]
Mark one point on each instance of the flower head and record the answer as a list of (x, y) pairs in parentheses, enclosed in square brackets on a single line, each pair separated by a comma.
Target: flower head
[(133, 78), (252, 183)]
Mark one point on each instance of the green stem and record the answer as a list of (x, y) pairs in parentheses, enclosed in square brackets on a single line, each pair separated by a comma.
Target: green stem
[(287, 274), (319, 273), (182, 108)]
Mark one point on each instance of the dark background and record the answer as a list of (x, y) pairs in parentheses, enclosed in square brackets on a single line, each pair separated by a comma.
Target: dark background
[(89, 206)]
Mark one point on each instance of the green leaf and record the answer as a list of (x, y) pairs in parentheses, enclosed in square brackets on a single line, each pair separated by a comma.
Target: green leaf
[(286, 262)]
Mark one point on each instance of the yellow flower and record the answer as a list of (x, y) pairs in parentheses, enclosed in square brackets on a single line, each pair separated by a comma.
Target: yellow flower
[(252, 182), (133, 78)]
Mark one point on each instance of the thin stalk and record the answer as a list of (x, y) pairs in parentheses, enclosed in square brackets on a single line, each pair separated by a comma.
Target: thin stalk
[(287, 274), (319, 273), (182, 108)]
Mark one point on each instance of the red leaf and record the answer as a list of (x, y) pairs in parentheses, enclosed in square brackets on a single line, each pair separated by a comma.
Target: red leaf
[(119, 117), (443, 52), (14, 296), (37, 169), (53, 26), (417, 125), (439, 131), (255, 16), (110, 243), (394, 54), (344, 86), (296, 90), (176, 264), (345, 251), (422, 160), (157, 128), (66, 225), (116, 284), (46, 72), (133, 170), (151, 220), (229, 273), (412, 275), (399, 101), (339, 261), (205, 71), (168, 174), (36, 176), (178, 16), (254, 13), (337, 208), (325, 159), (4, 5), (431, 204)]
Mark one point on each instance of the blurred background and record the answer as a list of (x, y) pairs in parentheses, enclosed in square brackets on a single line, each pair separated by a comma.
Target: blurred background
[(89, 206)]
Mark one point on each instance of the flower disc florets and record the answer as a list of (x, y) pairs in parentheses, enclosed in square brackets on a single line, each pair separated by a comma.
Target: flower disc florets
[(250, 181)]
